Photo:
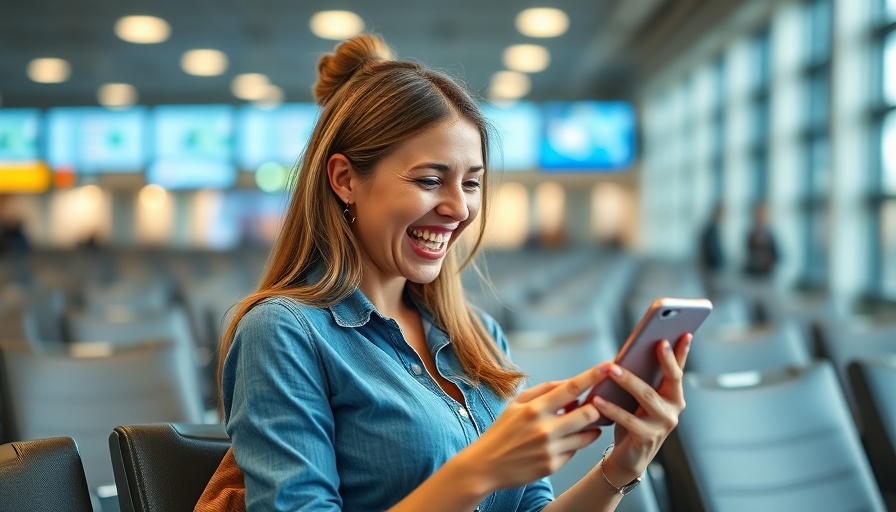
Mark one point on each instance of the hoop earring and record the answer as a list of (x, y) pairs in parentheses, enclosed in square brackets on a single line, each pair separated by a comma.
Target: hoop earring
[(347, 216)]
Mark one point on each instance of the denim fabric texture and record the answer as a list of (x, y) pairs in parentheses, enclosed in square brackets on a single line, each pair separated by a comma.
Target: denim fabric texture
[(330, 409)]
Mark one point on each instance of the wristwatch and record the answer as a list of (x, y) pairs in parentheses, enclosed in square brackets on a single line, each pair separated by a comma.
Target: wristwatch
[(625, 489)]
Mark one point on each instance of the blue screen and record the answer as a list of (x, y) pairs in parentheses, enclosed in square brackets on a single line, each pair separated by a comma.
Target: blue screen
[(19, 132), (193, 147), (277, 135), (96, 139), (518, 128), (588, 135)]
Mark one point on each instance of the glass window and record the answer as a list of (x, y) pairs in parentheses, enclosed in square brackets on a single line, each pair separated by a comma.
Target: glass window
[(891, 9), (888, 247), (820, 166), (819, 99), (888, 154), (889, 68)]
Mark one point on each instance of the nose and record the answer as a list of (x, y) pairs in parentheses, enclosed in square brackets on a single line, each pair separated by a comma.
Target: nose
[(453, 203)]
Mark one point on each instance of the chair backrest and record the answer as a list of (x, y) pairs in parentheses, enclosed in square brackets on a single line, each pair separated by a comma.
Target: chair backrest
[(760, 348), (45, 474), (165, 466), (873, 381), (844, 343), (779, 441), (88, 390)]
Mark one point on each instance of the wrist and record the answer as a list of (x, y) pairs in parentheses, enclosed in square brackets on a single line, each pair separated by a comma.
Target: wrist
[(616, 475), (469, 477)]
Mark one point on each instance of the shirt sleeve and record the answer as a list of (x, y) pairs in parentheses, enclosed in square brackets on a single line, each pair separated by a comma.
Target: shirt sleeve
[(277, 412)]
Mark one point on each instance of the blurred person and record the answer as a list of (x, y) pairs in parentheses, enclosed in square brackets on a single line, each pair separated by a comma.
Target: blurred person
[(13, 239), (357, 377), (762, 250), (712, 256)]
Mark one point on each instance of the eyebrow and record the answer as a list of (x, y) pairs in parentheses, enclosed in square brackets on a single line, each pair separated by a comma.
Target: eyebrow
[(441, 167)]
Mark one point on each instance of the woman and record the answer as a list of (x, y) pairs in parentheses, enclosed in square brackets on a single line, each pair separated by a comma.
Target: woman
[(357, 377)]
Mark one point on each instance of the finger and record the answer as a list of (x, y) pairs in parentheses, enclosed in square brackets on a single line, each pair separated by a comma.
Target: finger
[(647, 397), (571, 389), (682, 348), (670, 388), (576, 441), (537, 390), (580, 419)]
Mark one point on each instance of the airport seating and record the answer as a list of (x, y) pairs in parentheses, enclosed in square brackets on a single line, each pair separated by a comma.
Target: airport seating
[(873, 381), (778, 441), (86, 389), (759, 348), (43, 474), (843, 343), (164, 466)]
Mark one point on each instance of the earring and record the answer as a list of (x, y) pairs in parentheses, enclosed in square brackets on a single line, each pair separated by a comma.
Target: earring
[(347, 216)]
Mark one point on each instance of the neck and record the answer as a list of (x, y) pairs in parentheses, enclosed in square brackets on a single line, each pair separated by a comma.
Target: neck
[(387, 296)]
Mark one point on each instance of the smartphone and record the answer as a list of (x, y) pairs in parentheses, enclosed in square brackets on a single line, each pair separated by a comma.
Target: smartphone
[(666, 319)]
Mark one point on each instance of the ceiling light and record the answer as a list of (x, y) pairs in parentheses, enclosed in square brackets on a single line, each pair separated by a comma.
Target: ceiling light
[(142, 29), (528, 58), (250, 86), (117, 95), (509, 85), (49, 70), (273, 98), (204, 62), (542, 22), (336, 25)]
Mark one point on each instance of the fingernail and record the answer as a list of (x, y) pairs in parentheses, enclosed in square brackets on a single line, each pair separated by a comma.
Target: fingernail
[(599, 402), (667, 347), (617, 371)]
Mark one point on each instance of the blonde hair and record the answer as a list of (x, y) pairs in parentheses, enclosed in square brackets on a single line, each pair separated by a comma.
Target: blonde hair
[(371, 104)]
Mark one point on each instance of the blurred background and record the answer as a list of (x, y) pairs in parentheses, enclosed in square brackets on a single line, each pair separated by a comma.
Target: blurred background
[(741, 150)]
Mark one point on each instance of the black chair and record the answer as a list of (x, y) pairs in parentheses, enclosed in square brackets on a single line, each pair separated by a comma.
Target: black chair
[(873, 381), (780, 441), (44, 474), (165, 466)]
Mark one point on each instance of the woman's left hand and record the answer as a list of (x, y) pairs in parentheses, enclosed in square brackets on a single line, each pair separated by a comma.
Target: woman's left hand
[(638, 436)]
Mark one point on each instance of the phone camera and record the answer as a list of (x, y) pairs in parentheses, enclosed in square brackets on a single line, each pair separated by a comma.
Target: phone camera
[(669, 313)]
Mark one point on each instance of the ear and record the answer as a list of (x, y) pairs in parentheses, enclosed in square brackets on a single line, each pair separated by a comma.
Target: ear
[(341, 174)]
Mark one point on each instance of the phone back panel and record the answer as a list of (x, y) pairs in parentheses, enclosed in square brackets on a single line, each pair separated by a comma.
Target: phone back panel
[(665, 319)]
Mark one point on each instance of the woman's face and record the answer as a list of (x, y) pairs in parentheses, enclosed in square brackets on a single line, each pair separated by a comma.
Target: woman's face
[(417, 202)]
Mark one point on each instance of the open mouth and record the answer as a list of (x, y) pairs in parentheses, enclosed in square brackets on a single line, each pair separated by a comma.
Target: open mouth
[(428, 240)]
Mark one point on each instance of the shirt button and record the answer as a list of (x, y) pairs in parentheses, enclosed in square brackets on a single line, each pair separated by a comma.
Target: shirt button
[(416, 369), (463, 412)]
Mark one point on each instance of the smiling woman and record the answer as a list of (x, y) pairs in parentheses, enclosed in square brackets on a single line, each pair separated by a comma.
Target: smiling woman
[(357, 377)]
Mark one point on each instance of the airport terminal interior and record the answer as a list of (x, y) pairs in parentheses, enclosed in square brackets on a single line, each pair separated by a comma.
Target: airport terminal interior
[(742, 151)]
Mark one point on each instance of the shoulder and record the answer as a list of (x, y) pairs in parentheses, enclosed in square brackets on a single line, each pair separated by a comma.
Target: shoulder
[(280, 311)]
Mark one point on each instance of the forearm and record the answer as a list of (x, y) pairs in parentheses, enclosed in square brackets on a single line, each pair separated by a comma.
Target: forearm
[(592, 493), (455, 487)]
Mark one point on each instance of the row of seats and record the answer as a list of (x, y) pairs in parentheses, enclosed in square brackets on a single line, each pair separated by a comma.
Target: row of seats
[(159, 467), (573, 311)]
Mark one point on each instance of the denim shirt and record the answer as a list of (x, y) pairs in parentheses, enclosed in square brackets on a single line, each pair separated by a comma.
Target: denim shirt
[(331, 409)]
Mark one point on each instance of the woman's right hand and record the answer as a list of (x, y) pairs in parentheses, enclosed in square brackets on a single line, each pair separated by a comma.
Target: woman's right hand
[(530, 439)]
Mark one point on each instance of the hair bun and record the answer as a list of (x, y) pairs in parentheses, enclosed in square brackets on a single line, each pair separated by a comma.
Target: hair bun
[(337, 68)]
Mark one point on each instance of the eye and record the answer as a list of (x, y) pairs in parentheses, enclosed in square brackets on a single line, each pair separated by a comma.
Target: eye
[(429, 182), (472, 184)]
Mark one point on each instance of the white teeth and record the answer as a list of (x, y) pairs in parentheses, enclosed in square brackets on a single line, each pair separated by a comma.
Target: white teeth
[(430, 236)]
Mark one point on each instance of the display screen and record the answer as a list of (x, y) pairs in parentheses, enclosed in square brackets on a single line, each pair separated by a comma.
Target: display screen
[(19, 134), (96, 139), (588, 135), (276, 135), (518, 127), (193, 147)]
